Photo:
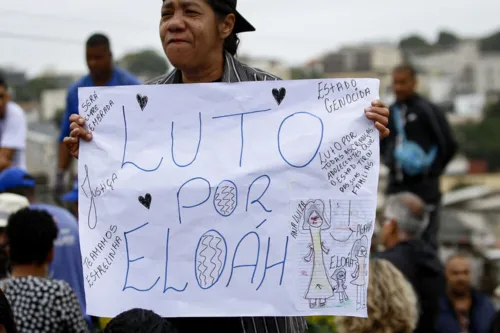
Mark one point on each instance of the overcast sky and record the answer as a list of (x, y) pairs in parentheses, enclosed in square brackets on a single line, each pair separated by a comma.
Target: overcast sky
[(291, 30)]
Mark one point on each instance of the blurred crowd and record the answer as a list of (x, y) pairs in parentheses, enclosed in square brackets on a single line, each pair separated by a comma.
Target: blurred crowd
[(409, 290)]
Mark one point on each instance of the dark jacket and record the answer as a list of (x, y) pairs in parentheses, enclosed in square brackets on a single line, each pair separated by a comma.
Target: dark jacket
[(427, 126), (481, 315), (420, 265)]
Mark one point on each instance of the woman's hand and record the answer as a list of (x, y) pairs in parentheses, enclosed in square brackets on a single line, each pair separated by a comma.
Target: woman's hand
[(379, 114), (72, 141)]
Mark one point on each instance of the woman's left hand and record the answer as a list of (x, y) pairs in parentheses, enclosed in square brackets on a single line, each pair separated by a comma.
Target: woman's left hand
[(379, 114)]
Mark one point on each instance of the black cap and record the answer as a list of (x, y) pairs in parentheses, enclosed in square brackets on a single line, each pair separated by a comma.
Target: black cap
[(241, 24)]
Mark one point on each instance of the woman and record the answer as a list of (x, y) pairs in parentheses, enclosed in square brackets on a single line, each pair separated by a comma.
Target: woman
[(359, 255), (320, 288), (392, 303), (200, 40), (7, 324), (39, 304)]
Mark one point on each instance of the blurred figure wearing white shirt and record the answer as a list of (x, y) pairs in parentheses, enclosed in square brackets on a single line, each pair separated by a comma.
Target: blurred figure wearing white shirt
[(13, 130)]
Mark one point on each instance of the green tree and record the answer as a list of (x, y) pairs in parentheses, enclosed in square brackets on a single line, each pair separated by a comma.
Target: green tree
[(482, 140), (145, 63), (446, 38), (299, 73), (490, 43), (415, 43), (33, 89)]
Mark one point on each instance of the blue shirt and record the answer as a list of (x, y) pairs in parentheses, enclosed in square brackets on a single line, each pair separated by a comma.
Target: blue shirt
[(120, 77), (67, 263), (482, 313)]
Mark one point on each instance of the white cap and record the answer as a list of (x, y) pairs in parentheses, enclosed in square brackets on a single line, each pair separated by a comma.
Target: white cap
[(9, 204)]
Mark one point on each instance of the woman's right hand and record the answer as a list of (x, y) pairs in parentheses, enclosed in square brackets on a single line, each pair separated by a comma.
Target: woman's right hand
[(78, 131)]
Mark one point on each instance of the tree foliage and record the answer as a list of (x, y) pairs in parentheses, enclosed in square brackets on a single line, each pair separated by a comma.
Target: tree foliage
[(446, 38), (145, 63), (482, 140), (414, 43), (490, 43), (33, 89)]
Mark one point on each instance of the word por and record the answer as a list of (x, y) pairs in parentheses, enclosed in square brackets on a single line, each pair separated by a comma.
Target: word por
[(348, 162)]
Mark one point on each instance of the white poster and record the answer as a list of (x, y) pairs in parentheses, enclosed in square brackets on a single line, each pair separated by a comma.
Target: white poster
[(241, 199)]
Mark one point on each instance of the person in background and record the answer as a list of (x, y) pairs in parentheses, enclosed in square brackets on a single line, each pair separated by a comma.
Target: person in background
[(103, 72), (200, 39), (139, 321), (71, 198), (419, 148), (9, 203), (463, 309), (7, 323), (13, 130), (405, 219), (392, 303), (39, 303), (66, 263)]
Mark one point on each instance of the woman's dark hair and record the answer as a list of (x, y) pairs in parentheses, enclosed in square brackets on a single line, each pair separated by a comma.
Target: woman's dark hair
[(221, 10), (6, 315), (31, 235), (139, 321)]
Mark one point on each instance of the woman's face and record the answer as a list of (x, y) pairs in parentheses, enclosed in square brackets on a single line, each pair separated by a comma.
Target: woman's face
[(190, 33), (341, 275), (315, 220), (362, 251)]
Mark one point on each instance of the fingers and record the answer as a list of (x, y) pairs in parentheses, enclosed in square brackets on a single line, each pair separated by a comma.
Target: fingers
[(77, 119), (380, 104), (384, 131), (378, 115), (79, 131)]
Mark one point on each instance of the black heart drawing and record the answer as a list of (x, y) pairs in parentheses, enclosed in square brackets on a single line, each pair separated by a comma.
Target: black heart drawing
[(142, 100), (145, 200), (279, 95)]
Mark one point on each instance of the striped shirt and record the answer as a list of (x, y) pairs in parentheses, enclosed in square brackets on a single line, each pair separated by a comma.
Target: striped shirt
[(235, 71)]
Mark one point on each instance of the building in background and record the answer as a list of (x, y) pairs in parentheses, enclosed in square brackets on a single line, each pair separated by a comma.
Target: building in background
[(461, 76), (272, 66), (375, 60)]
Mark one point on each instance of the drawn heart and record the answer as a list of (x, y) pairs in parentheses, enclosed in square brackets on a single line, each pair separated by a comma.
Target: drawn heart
[(142, 100), (279, 95), (145, 200)]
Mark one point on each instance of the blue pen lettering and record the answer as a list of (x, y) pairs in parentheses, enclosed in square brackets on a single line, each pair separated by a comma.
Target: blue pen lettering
[(316, 149), (242, 115), (130, 261), (197, 148)]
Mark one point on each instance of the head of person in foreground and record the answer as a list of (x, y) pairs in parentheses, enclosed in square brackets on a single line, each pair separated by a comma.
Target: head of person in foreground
[(392, 303), (139, 321)]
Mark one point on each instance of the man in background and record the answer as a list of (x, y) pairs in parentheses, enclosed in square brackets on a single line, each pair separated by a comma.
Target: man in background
[(416, 167), (463, 309), (13, 129), (405, 219), (67, 263), (71, 198), (102, 73)]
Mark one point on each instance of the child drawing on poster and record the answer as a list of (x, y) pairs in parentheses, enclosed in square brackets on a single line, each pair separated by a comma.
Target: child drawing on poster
[(359, 255), (319, 289), (339, 276)]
